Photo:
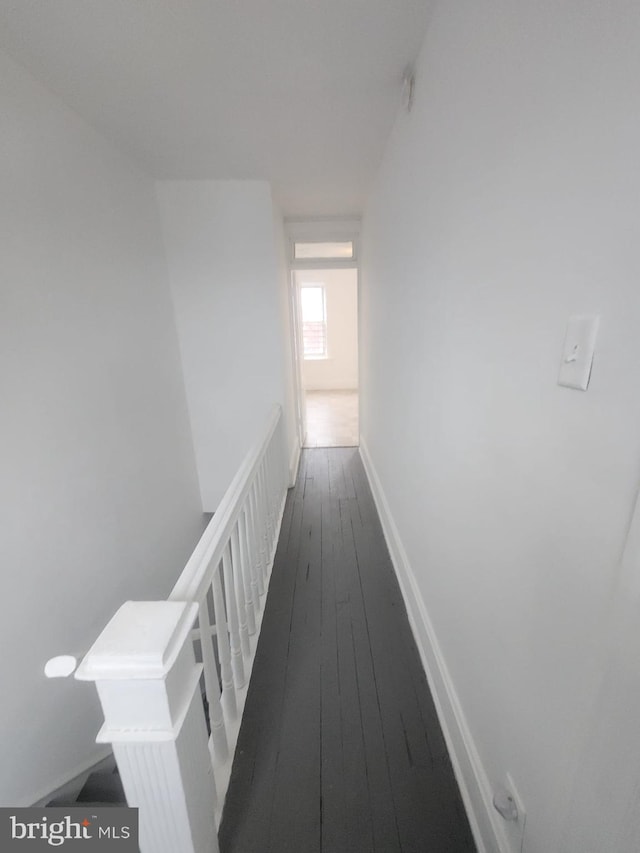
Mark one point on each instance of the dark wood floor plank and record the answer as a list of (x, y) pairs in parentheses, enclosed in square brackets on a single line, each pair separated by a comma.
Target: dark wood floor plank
[(345, 457), (337, 483), (299, 749), (384, 826), (340, 749), (358, 818), (332, 767)]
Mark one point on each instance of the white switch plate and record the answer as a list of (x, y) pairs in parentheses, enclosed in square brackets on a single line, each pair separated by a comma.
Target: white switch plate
[(577, 353)]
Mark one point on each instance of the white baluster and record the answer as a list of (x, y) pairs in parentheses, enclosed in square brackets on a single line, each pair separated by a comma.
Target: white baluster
[(280, 478), (264, 520), (148, 683), (258, 542), (212, 685), (224, 651), (246, 571), (268, 485), (236, 565), (276, 474), (283, 467), (232, 613), (254, 549), (273, 493)]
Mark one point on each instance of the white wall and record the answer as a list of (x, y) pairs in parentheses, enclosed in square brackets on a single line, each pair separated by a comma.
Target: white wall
[(98, 494), (227, 291), (508, 200), (340, 369)]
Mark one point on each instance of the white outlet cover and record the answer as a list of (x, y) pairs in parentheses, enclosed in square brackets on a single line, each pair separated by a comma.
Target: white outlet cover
[(577, 352)]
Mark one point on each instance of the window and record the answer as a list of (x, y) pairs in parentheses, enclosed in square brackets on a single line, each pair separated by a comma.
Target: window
[(336, 250), (314, 320)]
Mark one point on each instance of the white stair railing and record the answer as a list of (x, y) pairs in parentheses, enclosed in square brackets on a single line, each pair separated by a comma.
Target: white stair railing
[(150, 661)]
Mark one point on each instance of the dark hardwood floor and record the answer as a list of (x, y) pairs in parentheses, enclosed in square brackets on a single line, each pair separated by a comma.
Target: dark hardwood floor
[(340, 749)]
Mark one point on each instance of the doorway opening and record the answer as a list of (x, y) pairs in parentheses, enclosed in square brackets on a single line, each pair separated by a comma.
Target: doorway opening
[(328, 300)]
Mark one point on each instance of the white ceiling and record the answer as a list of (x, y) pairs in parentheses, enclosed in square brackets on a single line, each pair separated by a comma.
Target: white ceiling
[(300, 92)]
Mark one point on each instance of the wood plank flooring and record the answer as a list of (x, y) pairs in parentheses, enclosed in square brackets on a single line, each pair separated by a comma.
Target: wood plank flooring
[(332, 419), (340, 749)]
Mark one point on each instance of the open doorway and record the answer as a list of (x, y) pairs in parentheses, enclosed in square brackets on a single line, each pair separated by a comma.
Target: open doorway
[(328, 300)]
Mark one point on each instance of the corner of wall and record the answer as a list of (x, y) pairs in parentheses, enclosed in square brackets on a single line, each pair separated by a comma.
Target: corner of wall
[(294, 463), (469, 771), (289, 400)]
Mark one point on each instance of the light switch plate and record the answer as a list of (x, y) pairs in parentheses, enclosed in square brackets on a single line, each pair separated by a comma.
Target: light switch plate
[(577, 353)]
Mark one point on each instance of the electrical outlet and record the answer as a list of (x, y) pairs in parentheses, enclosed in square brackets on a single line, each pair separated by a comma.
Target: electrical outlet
[(514, 829)]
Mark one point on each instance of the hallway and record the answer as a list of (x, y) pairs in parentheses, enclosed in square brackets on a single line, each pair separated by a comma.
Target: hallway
[(340, 748), (332, 419)]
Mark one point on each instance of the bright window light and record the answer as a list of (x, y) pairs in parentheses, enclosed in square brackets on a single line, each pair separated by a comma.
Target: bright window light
[(314, 320)]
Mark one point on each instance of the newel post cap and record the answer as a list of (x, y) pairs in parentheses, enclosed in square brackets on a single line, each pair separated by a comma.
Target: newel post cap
[(142, 641)]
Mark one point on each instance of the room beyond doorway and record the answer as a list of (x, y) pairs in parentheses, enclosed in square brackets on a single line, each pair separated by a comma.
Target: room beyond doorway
[(332, 419), (328, 301)]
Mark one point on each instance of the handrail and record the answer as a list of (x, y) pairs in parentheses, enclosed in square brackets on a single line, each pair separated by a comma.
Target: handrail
[(209, 549), (214, 537), (149, 660)]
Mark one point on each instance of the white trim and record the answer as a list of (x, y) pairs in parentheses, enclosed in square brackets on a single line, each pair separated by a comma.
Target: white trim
[(324, 265), (341, 241), (296, 356), (470, 774), (320, 230), (70, 782), (294, 463)]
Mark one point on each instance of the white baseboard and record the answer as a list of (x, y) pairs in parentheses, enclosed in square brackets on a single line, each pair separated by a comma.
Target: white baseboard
[(470, 774), (294, 463)]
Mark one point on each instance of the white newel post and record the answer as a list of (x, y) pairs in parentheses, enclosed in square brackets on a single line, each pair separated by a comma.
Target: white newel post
[(147, 678)]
